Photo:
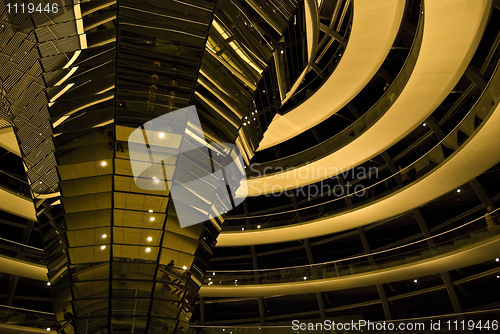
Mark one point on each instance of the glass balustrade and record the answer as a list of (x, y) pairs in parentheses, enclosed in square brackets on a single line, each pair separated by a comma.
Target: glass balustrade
[(27, 318), (454, 239), (21, 251)]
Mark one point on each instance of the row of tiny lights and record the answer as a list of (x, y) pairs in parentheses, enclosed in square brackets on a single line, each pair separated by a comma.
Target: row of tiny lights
[(253, 113)]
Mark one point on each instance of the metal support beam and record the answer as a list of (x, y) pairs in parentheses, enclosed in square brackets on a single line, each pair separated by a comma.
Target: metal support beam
[(380, 288), (319, 297), (353, 110), (496, 3), (481, 193), (476, 78), (435, 128), (386, 75), (307, 246), (323, 27), (425, 230), (392, 167), (255, 264), (296, 207), (348, 199), (321, 306), (202, 311), (451, 292)]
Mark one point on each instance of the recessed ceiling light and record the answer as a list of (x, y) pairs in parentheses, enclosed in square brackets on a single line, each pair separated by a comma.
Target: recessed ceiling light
[(148, 250), (103, 247), (184, 267), (157, 181), (415, 281), (104, 163), (242, 228), (497, 259), (258, 226), (305, 278), (149, 239), (48, 283), (424, 124), (161, 135), (458, 190), (150, 210), (152, 219), (104, 236)]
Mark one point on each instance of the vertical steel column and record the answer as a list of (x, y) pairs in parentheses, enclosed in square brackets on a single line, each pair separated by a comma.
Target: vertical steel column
[(392, 167), (481, 193), (380, 288), (255, 264), (319, 297), (451, 292), (202, 311), (435, 128)]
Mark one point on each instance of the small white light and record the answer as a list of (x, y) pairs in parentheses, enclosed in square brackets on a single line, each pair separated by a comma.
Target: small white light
[(497, 259), (305, 278), (150, 210), (213, 274), (458, 190), (40, 182), (104, 163), (424, 124), (263, 91), (258, 226), (161, 135), (152, 219), (242, 228), (149, 239), (103, 247), (415, 281), (210, 278), (157, 181), (48, 329), (281, 51), (104, 236), (148, 250), (184, 267), (48, 283), (498, 276)]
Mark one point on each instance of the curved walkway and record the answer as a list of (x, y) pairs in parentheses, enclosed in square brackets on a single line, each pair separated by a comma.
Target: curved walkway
[(375, 26), (17, 205), (478, 154), (466, 256), (452, 32)]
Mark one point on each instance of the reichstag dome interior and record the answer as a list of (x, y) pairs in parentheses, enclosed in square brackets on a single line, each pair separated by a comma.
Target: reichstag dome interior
[(249, 166)]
